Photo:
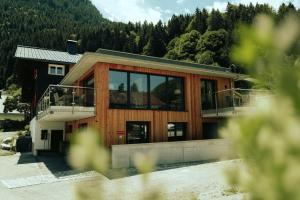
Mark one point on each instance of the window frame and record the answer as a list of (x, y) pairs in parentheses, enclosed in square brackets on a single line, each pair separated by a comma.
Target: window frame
[(56, 66), (149, 107)]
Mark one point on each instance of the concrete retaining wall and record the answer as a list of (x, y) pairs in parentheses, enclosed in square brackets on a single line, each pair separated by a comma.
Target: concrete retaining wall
[(172, 152)]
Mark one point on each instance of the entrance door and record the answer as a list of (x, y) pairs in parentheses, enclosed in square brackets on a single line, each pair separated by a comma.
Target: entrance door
[(137, 132), (56, 139), (208, 92)]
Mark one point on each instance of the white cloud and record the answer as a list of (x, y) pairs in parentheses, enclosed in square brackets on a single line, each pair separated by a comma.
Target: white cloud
[(180, 1), (168, 11), (186, 10), (129, 10), (221, 6)]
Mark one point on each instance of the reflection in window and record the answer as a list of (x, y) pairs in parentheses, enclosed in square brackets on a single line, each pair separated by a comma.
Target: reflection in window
[(208, 92), (138, 90), (176, 131), (158, 92), (88, 96), (176, 94), (137, 132), (145, 91), (118, 89)]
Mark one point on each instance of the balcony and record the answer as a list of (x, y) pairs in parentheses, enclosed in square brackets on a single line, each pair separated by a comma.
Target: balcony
[(231, 102), (66, 103)]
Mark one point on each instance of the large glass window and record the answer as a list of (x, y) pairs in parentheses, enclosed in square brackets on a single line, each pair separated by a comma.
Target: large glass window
[(176, 93), (176, 131), (89, 91), (138, 91), (137, 132), (118, 96), (208, 92), (158, 92), (145, 91)]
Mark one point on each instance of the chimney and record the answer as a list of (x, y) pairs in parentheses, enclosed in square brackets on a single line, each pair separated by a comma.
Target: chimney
[(72, 47)]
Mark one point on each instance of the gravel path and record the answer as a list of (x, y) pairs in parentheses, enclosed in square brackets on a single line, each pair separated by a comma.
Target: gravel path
[(201, 181)]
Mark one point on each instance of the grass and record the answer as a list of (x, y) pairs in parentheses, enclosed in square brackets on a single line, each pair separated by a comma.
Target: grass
[(6, 153)]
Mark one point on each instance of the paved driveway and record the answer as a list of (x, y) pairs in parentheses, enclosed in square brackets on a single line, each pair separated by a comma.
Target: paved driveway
[(47, 179)]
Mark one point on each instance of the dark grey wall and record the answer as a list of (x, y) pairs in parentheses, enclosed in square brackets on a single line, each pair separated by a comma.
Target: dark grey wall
[(31, 86)]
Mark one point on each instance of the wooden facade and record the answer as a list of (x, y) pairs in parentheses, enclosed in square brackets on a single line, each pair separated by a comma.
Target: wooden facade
[(111, 121)]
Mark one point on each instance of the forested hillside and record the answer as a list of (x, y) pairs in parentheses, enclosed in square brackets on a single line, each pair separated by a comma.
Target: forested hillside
[(41, 23), (204, 37)]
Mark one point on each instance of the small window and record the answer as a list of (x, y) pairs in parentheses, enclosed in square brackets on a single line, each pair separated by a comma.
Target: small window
[(56, 70), (137, 132), (176, 131)]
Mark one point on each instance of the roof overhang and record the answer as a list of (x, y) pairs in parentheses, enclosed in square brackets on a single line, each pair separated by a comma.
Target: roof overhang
[(88, 60)]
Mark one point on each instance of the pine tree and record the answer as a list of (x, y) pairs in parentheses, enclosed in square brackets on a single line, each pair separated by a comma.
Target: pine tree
[(215, 21)]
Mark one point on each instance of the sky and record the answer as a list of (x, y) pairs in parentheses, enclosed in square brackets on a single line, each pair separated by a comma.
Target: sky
[(155, 10)]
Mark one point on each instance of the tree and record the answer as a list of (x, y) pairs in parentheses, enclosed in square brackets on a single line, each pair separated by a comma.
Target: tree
[(184, 48), (13, 102), (199, 21), (284, 10), (216, 21), (216, 42), (207, 57), (156, 45)]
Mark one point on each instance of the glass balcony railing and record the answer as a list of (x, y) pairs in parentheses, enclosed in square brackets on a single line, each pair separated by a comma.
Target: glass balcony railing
[(66, 96), (231, 100)]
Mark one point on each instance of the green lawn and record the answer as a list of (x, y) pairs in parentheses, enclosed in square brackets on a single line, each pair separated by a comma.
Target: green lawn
[(6, 153)]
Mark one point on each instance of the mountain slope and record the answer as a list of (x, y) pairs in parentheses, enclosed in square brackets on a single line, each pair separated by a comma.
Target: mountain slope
[(42, 23)]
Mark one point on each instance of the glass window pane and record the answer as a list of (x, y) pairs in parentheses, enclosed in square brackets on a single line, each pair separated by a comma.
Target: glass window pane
[(171, 130), (138, 90), (176, 93), (52, 70), (137, 132), (158, 93), (208, 90), (59, 70), (118, 89)]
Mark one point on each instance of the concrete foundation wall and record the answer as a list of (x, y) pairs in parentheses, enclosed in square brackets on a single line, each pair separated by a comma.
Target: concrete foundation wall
[(35, 129), (172, 152)]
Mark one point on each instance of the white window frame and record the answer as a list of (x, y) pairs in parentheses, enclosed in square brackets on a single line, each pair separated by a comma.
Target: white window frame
[(56, 67)]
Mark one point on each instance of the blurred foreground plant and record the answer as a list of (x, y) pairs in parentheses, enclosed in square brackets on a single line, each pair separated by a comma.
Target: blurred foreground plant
[(88, 153), (268, 140)]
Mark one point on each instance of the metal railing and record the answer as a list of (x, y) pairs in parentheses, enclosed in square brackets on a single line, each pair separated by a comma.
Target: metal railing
[(231, 99), (61, 95)]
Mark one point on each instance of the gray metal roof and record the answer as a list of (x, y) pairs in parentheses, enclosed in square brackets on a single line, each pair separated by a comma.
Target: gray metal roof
[(161, 60), (34, 53)]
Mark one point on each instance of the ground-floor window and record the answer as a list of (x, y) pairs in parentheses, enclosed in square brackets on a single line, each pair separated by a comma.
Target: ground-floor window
[(137, 132), (210, 130), (176, 131), (82, 126)]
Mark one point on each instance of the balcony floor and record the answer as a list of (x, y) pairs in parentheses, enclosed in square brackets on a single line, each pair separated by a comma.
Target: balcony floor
[(66, 113)]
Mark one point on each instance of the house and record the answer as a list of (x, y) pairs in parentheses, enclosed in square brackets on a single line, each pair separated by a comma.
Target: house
[(38, 68), (133, 99)]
